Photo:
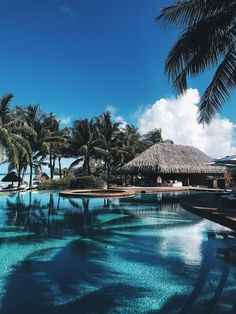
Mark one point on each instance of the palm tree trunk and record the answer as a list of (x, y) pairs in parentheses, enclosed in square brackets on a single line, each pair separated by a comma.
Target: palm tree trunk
[(108, 171), (19, 172), (59, 161), (88, 166), (31, 173), (105, 170), (50, 164), (53, 165), (85, 165)]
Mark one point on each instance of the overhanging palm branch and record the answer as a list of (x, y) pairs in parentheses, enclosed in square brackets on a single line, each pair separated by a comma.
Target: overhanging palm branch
[(76, 162), (208, 40), (219, 89)]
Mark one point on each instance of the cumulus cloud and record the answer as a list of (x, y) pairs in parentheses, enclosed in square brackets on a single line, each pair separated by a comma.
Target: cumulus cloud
[(177, 117), (116, 117)]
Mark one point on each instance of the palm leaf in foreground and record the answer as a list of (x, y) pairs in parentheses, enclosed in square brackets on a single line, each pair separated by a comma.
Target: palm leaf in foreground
[(219, 89), (208, 40)]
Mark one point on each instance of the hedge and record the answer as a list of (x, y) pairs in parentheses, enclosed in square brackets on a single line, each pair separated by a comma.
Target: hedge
[(83, 182)]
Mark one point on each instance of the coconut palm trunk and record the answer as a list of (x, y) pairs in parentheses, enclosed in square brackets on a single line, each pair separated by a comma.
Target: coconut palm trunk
[(88, 165), (19, 171), (31, 173), (59, 162), (51, 164)]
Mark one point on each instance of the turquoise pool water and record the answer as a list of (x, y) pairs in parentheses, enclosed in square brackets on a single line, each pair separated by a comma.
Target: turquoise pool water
[(143, 254)]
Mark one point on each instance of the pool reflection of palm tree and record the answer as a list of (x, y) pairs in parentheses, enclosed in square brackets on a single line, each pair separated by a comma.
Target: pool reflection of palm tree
[(33, 216), (204, 273), (76, 205), (85, 268), (69, 284), (86, 254)]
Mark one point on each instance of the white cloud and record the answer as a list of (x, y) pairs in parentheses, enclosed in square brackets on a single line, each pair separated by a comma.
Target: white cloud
[(177, 117), (120, 119), (115, 117), (65, 120), (111, 109)]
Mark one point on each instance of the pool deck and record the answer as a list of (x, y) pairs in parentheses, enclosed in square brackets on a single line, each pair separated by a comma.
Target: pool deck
[(140, 189), (94, 193), (210, 206), (119, 191), (130, 190)]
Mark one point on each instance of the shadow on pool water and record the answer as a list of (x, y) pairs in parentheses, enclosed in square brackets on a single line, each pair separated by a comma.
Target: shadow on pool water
[(144, 254)]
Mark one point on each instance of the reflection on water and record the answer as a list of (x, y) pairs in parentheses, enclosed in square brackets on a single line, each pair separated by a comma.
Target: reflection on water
[(143, 254)]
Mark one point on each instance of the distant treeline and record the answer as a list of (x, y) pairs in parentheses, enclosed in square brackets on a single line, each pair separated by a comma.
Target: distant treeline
[(32, 138)]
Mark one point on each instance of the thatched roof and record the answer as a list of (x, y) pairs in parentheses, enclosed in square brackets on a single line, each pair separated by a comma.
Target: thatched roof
[(170, 158), (41, 176), (11, 177)]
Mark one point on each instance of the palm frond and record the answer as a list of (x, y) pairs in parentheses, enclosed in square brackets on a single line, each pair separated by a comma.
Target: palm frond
[(219, 89), (199, 48), (183, 13), (76, 162), (189, 12)]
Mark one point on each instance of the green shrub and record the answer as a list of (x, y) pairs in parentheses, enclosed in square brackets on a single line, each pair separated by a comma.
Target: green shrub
[(115, 179), (83, 182)]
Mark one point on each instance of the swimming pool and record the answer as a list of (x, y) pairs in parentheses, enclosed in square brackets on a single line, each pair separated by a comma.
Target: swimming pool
[(142, 254)]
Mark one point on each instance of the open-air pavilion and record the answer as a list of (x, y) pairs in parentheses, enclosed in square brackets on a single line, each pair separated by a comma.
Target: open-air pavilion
[(175, 165)]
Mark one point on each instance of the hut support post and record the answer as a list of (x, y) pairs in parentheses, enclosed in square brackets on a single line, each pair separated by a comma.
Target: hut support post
[(59, 161), (188, 180)]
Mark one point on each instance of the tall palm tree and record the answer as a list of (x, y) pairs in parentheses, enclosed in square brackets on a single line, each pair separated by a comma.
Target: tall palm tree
[(84, 142), (53, 139), (207, 41), (152, 137), (131, 144), (34, 118), (111, 145), (13, 133), (5, 128), (61, 147)]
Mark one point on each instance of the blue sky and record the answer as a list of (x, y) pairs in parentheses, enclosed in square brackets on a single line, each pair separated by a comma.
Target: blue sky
[(76, 57)]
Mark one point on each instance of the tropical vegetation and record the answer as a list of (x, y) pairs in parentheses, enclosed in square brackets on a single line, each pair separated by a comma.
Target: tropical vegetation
[(82, 182), (31, 139), (208, 41)]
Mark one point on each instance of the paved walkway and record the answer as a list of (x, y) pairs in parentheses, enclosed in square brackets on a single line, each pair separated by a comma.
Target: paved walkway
[(212, 207), (154, 189)]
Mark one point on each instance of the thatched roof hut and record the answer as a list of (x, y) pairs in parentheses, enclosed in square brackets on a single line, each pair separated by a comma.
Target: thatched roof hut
[(166, 158), (41, 176), (11, 177)]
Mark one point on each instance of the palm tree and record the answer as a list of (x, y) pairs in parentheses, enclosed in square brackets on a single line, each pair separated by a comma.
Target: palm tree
[(152, 137), (52, 139), (34, 118), (208, 41), (61, 147), (85, 142), (13, 135), (111, 145), (5, 126), (131, 144)]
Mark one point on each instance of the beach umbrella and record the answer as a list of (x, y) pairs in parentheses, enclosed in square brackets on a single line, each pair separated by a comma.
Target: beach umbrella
[(11, 177)]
